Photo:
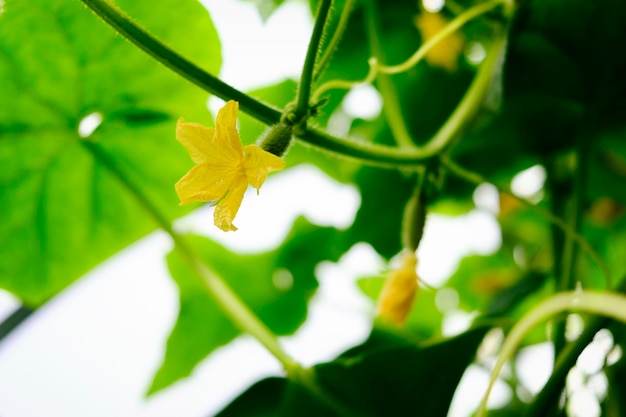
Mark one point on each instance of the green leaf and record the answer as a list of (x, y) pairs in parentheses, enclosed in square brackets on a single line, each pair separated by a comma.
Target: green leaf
[(530, 230), (397, 379), (561, 73), (479, 278), (274, 397), (511, 296), (496, 287), (561, 78), (434, 95), (587, 33), (66, 201), (276, 285), (401, 380)]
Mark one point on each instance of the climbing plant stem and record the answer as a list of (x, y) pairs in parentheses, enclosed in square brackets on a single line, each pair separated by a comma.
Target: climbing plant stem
[(366, 152), (306, 77), (469, 105), (347, 84), (574, 209), (549, 394), (126, 27), (474, 97), (449, 29), (606, 304), (334, 41)]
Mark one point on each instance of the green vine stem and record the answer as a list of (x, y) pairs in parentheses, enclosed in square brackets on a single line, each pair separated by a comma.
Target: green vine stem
[(574, 214), (474, 98), (306, 78), (347, 84), (467, 108), (334, 41), (565, 281), (471, 101), (602, 303), (449, 29), (454, 7), (126, 27), (228, 301), (550, 392), (375, 67), (391, 107), (478, 179), (366, 152)]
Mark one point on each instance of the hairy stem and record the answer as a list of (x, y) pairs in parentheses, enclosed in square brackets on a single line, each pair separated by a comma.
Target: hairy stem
[(306, 78), (334, 41)]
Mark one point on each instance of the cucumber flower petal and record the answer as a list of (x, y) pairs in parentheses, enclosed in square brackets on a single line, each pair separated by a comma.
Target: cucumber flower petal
[(224, 167), (258, 163)]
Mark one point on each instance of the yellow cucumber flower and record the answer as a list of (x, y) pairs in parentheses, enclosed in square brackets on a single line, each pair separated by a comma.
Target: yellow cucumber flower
[(445, 54), (224, 167), (399, 291)]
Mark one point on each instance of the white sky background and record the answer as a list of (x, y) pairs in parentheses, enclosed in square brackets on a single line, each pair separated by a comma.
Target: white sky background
[(92, 351)]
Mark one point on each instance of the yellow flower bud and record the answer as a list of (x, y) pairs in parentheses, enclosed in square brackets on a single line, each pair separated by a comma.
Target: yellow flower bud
[(399, 291), (446, 52)]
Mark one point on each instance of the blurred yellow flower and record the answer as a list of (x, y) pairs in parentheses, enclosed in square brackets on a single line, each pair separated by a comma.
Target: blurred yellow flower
[(399, 291), (446, 52), (224, 167)]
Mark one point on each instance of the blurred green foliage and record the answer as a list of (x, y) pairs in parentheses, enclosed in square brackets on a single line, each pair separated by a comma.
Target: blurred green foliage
[(69, 202)]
